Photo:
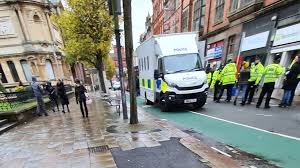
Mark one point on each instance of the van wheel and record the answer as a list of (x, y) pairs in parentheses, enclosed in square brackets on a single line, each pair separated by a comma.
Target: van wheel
[(147, 102), (199, 105), (164, 107)]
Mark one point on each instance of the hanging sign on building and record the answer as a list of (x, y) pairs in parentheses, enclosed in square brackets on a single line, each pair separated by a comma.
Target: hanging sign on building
[(215, 50)]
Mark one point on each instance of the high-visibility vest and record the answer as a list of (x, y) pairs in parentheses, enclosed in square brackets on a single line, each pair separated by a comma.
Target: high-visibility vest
[(256, 73), (228, 74), (272, 72), (209, 78), (215, 78)]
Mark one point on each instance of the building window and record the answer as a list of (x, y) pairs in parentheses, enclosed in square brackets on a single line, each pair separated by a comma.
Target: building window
[(231, 44), (245, 2), (219, 10), (26, 70), (3, 78), (234, 5), (177, 4), (185, 17), (49, 70), (13, 71), (36, 18), (199, 14)]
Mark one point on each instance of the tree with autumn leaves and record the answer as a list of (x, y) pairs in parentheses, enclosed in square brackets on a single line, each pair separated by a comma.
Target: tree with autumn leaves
[(87, 29)]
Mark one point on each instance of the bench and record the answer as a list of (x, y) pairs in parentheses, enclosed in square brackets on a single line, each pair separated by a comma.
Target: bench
[(114, 102)]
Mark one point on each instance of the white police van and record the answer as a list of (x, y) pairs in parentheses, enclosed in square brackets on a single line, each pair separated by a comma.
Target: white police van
[(171, 71)]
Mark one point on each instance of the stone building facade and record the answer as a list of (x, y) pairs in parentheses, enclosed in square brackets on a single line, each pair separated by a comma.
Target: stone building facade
[(30, 44)]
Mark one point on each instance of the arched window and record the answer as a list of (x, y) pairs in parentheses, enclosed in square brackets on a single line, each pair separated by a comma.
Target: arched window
[(49, 70), (13, 71), (26, 70), (36, 18)]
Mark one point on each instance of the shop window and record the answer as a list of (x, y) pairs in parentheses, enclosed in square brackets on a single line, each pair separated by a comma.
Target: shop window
[(185, 17), (3, 78), (26, 70), (219, 10), (231, 44), (13, 71), (49, 70)]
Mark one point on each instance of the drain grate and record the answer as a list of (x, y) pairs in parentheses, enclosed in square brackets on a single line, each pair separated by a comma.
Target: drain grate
[(99, 149)]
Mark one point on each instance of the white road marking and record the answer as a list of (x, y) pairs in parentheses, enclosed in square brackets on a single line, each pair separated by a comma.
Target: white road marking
[(265, 115), (223, 153), (247, 126)]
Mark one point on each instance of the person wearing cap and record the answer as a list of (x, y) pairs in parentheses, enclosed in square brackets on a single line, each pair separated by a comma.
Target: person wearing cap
[(38, 93), (228, 79), (243, 80), (256, 73), (271, 74)]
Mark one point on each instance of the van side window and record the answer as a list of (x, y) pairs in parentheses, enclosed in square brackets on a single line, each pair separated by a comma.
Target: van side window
[(145, 63), (148, 62), (160, 69)]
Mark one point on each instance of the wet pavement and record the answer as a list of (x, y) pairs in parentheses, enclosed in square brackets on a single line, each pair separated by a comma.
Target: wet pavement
[(104, 140)]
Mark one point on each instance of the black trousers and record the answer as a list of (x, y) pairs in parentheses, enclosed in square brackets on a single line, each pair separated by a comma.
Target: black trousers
[(83, 103), (250, 92), (268, 89), (216, 91), (228, 89)]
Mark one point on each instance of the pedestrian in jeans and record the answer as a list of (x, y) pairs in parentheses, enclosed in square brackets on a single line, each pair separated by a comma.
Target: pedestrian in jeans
[(38, 93), (290, 83), (243, 79), (80, 91), (61, 91), (52, 95)]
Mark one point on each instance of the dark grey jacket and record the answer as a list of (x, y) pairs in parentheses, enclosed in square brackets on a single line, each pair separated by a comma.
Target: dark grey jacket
[(37, 90)]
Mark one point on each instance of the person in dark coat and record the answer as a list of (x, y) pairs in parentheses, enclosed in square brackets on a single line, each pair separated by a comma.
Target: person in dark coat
[(80, 91), (61, 91), (243, 80), (290, 84), (52, 96), (38, 93)]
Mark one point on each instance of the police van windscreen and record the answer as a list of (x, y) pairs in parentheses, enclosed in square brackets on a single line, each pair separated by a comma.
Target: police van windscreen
[(182, 63)]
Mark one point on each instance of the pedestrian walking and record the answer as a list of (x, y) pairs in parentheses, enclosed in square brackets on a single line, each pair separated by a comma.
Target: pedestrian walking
[(290, 83), (215, 83), (243, 78), (297, 59), (80, 92), (256, 73), (271, 74), (52, 96), (38, 93), (61, 91), (228, 80)]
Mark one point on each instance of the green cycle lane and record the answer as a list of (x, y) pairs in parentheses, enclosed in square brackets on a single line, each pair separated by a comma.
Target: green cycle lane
[(282, 151)]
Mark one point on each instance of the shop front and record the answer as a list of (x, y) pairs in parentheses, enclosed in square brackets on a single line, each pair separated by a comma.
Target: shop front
[(287, 44)]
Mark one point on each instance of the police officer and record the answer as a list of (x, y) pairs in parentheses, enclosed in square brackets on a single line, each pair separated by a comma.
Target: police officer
[(228, 79), (271, 74), (256, 73), (215, 83), (208, 74), (297, 58)]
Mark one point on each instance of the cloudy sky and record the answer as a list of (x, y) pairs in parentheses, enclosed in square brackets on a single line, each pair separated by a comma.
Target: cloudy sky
[(140, 10)]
